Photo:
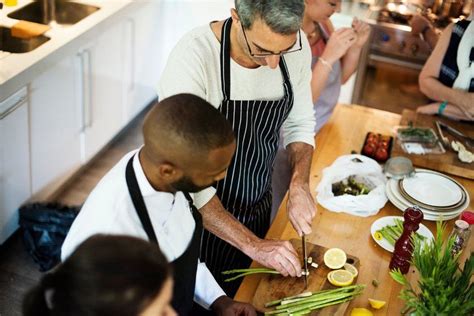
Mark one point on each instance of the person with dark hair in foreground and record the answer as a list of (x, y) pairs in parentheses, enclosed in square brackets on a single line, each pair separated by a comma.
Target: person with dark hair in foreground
[(106, 275), (188, 146)]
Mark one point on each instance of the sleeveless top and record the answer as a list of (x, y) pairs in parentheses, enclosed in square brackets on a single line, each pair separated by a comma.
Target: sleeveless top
[(457, 68)]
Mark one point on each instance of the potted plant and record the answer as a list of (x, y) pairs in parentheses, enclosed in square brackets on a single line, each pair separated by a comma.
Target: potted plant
[(443, 288)]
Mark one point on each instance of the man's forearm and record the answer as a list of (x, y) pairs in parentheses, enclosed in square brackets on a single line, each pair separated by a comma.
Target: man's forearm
[(221, 223), (300, 156)]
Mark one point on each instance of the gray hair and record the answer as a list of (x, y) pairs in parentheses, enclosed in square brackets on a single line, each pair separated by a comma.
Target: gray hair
[(282, 16)]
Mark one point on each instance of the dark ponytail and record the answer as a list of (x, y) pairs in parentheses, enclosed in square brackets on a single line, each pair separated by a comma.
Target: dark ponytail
[(106, 275)]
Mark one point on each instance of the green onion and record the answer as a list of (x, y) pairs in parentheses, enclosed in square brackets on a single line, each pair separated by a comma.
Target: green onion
[(249, 271), (302, 305)]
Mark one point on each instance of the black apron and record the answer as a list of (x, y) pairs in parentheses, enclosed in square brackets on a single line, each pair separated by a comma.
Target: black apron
[(184, 267), (246, 190)]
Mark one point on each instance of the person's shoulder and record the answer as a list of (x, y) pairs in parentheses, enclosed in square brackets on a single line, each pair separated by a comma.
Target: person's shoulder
[(300, 59), (200, 39)]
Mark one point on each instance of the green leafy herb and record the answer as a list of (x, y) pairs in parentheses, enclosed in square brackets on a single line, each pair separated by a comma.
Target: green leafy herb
[(443, 289)]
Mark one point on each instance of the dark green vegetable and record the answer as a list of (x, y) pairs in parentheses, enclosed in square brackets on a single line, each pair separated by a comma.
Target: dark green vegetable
[(349, 186)]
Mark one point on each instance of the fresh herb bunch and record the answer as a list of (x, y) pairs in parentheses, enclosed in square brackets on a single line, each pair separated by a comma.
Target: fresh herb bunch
[(443, 288)]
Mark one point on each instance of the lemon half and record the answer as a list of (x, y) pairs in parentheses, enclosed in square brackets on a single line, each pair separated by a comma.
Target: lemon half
[(340, 277), (377, 304), (335, 258)]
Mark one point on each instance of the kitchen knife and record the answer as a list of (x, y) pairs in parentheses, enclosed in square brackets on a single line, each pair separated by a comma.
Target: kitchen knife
[(455, 132), (305, 261)]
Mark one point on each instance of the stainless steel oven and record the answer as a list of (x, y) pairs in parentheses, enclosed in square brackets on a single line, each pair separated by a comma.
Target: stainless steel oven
[(387, 76)]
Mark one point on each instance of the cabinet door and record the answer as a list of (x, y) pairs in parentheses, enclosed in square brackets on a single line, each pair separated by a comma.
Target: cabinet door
[(141, 49), (102, 95), (55, 128), (14, 162)]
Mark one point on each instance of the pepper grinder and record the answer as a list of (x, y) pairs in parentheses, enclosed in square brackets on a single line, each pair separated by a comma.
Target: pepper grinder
[(404, 247)]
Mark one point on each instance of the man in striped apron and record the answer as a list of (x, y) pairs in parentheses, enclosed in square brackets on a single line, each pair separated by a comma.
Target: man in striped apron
[(255, 68)]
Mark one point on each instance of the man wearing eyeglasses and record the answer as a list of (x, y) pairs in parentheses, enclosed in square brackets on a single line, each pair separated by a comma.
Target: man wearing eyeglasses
[(255, 68)]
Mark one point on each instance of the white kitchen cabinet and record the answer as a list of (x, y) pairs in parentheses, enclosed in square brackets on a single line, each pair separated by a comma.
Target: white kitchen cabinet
[(100, 84), (141, 50), (14, 160), (55, 125)]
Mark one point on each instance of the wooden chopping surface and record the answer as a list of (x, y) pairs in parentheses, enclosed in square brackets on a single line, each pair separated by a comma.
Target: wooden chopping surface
[(274, 287), (448, 162)]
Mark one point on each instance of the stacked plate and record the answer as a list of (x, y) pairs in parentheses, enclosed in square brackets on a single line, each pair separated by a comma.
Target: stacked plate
[(437, 195)]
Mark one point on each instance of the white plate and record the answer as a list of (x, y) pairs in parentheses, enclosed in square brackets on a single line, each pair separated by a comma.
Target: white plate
[(394, 189), (390, 220), (432, 189), (402, 205)]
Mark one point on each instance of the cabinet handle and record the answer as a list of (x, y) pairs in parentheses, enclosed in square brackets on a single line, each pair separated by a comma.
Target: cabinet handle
[(131, 23), (87, 71), (82, 88), (20, 97)]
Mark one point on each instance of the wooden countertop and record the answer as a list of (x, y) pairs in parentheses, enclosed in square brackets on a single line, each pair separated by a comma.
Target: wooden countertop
[(345, 132)]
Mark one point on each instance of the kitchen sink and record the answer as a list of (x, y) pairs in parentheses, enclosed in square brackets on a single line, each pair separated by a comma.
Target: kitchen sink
[(11, 44), (63, 12)]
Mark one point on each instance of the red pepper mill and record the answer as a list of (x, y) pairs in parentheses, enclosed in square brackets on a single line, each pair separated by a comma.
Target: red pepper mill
[(403, 247)]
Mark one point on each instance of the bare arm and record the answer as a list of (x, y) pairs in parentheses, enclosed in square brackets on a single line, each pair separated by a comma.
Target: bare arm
[(301, 206), (350, 60), (279, 255), (349, 63), (434, 89)]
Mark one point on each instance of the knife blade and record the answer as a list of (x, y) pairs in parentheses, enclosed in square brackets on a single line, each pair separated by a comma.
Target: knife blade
[(455, 132), (305, 261)]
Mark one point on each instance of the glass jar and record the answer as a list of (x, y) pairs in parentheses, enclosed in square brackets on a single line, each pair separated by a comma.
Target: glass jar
[(461, 233)]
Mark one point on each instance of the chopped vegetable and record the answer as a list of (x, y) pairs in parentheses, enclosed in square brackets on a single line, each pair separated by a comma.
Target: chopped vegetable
[(349, 186), (317, 300), (314, 265), (243, 272), (391, 233)]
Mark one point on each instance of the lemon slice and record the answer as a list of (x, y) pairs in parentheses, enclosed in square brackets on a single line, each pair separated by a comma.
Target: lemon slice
[(378, 235), (361, 312), (335, 258), (377, 304), (351, 269), (340, 278)]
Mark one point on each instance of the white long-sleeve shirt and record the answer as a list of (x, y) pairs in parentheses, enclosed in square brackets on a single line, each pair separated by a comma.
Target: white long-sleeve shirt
[(194, 67), (109, 210)]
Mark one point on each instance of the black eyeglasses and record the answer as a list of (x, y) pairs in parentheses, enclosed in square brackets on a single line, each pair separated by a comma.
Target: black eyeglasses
[(262, 55)]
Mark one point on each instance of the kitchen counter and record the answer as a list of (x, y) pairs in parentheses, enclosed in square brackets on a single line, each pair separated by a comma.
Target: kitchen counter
[(18, 69), (345, 132)]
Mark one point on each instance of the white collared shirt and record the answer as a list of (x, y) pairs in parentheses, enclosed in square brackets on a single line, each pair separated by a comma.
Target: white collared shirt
[(109, 210)]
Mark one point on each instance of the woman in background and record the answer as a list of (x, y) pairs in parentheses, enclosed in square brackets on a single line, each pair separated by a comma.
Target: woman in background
[(448, 75), (335, 57), (335, 54), (106, 275)]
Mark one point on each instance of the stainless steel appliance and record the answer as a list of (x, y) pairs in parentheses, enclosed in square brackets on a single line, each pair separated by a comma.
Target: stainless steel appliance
[(387, 76)]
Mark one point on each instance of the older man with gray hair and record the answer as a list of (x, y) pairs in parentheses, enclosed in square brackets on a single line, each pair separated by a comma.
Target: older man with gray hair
[(255, 68)]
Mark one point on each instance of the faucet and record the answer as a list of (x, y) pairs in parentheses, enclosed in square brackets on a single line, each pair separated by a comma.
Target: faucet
[(48, 10)]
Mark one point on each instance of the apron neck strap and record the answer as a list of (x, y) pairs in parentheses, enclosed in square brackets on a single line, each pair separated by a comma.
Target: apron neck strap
[(225, 61), (138, 202)]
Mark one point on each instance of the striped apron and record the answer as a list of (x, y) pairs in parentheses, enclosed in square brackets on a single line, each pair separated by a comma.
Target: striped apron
[(246, 190)]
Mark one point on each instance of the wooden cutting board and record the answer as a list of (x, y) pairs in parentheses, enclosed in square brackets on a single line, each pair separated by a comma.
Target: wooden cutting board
[(274, 287), (448, 162)]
